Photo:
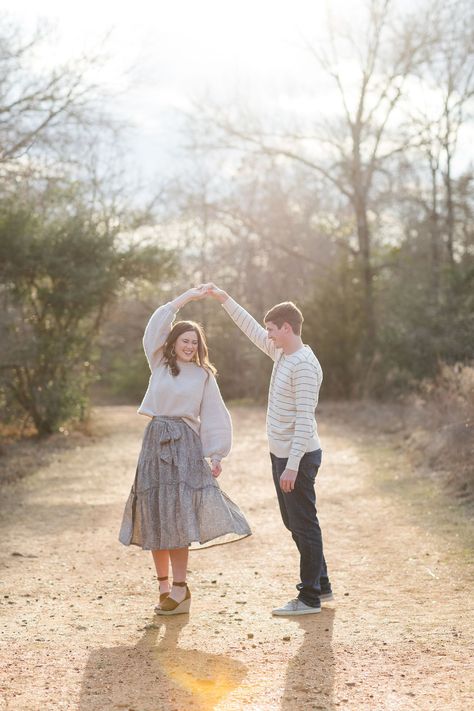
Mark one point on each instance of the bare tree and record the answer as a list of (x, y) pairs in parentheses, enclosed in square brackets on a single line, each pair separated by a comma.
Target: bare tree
[(449, 76), (351, 152), (42, 107)]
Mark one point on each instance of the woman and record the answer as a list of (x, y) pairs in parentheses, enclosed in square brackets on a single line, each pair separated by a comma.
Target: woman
[(175, 500)]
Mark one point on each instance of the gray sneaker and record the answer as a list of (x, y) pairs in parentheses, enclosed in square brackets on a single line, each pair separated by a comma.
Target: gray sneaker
[(296, 607), (326, 596)]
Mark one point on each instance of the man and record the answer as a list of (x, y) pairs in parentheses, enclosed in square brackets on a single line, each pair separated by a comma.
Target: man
[(295, 449)]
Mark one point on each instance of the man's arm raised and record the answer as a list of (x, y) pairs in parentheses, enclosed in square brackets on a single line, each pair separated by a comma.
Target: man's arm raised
[(252, 329)]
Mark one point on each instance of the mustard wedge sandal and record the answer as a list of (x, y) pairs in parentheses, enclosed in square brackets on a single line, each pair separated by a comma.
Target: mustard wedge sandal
[(171, 607)]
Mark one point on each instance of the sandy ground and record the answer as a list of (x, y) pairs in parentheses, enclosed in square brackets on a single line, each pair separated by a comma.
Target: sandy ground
[(78, 630)]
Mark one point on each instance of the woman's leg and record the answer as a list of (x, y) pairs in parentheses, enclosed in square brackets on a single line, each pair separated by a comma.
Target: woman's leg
[(161, 560), (179, 564)]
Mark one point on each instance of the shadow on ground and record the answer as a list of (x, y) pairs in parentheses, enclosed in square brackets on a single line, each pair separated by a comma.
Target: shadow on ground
[(309, 680), (158, 674)]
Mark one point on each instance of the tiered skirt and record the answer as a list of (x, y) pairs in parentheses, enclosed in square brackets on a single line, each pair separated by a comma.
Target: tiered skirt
[(175, 502)]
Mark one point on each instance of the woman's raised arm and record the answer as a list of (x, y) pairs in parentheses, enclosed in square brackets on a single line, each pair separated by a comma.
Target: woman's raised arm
[(159, 325)]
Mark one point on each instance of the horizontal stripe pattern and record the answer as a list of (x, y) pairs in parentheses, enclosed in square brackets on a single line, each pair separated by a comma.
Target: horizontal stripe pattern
[(293, 392)]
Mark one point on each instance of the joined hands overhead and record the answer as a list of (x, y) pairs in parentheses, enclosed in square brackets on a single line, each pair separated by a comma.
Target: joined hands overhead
[(210, 289), (196, 293)]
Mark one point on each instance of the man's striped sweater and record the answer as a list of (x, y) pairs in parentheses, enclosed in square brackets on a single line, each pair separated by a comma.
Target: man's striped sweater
[(293, 392)]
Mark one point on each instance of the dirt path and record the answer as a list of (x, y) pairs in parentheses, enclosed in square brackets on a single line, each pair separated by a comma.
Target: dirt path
[(78, 631)]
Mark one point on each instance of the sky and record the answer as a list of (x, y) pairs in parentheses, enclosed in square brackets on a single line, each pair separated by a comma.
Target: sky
[(163, 54)]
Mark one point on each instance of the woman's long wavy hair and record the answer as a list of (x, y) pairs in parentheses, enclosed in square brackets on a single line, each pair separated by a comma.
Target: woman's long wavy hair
[(202, 355)]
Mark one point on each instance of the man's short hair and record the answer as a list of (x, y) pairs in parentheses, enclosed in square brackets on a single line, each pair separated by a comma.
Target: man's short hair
[(286, 312)]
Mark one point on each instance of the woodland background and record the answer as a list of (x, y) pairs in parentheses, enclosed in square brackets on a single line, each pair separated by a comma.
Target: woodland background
[(360, 210)]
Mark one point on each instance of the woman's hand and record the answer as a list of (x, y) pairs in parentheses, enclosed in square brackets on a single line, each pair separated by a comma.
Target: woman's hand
[(194, 294), (216, 468)]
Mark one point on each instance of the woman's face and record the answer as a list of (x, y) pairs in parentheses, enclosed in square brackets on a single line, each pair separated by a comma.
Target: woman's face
[(186, 346)]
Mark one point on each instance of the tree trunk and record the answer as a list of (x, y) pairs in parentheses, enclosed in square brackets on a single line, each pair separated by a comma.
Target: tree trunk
[(449, 207), (434, 233), (363, 234)]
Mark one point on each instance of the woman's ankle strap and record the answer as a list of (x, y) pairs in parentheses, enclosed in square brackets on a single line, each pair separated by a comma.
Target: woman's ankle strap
[(179, 585), (165, 578)]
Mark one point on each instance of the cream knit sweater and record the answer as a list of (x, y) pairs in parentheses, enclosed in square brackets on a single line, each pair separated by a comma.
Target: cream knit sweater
[(192, 395)]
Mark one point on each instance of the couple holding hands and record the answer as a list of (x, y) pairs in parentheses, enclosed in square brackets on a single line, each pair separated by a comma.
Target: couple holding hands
[(175, 501)]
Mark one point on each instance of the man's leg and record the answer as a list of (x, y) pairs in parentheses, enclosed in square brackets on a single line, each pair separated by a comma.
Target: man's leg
[(299, 516), (278, 467), (323, 578)]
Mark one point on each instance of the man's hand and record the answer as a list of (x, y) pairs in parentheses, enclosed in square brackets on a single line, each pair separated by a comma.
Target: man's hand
[(212, 290), (287, 480), (216, 468)]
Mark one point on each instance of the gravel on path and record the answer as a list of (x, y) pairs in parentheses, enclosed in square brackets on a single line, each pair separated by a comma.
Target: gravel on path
[(77, 625)]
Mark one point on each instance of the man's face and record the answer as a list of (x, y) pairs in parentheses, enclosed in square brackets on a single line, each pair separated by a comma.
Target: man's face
[(277, 335)]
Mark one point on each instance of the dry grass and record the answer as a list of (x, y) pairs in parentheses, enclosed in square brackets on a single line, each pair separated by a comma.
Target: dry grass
[(22, 451), (435, 425), (444, 435)]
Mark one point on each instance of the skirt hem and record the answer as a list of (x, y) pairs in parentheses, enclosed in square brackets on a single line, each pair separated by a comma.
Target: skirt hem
[(193, 545)]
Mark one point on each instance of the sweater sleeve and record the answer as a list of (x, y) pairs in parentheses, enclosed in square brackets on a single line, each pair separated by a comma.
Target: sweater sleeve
[(156, 333), (306, 383), (216, 425), (252, 329)]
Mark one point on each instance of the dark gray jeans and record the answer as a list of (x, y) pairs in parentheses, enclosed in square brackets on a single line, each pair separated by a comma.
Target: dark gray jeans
[(298, 511)]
